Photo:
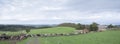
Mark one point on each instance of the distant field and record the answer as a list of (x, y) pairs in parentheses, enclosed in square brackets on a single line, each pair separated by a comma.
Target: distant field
[(107, 37), (43, 31), (53, 30)]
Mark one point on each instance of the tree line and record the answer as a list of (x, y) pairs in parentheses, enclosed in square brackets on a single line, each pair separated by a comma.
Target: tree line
[(20, 27), (14, 27), (79, 26), (92, 27)]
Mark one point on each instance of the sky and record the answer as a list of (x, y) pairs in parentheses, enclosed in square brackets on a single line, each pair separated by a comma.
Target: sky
[(59, 11)]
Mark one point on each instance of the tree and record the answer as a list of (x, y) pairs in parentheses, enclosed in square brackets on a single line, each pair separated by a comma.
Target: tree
[(27, 30), (80, 26), (93, 27), (110, 26), (14, 28), (68, 25)]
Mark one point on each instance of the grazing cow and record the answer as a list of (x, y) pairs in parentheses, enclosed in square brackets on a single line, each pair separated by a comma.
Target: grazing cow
[(76, 33), (71, 33), (53, 34), (67, 34), (45, 35), (14, 38), (17, 37), (35, 35), (58, 34), (29, 35), (38, 35), (4, 37), (61, 34)]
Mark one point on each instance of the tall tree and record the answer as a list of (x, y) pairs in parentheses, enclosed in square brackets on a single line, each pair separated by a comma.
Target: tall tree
[(27, 30), (80, 26), (67, 25), (110, 26), (94, 27)]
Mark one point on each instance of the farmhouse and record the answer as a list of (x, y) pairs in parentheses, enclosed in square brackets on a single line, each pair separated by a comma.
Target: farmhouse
[(102, 27)]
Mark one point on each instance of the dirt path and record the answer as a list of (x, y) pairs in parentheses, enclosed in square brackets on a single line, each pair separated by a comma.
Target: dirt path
[(35, 40), (13, 42)]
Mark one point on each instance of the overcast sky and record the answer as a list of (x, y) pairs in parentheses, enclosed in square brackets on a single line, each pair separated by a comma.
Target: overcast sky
[(59, 11)]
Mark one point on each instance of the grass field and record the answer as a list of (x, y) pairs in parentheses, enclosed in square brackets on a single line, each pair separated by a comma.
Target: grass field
[(4, 42), (53, 30), (107, 37), (43, 31), (40, 31)]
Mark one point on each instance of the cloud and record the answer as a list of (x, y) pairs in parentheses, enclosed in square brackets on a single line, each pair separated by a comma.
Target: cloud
[(86, 5), (59, 11)]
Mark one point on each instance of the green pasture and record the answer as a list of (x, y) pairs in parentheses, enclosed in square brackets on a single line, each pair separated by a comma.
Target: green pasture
[(107, 37)]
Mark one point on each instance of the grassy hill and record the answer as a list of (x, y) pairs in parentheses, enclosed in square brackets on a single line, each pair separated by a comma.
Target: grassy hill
[(107, 37)]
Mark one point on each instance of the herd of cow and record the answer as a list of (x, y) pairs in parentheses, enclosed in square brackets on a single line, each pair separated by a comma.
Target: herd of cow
[(25, 36), (16, 37)]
